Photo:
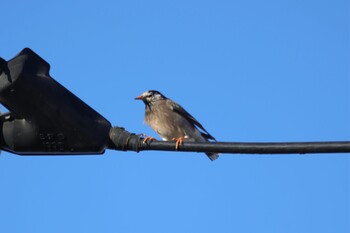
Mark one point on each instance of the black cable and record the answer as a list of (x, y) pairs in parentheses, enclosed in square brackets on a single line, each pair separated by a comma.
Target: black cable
[(120, 139), (123, 140)]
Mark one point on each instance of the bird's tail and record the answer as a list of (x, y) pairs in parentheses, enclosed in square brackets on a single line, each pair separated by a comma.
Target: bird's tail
[(212, 156)]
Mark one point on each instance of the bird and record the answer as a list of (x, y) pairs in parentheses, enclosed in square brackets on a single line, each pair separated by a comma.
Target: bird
[(172, 122)]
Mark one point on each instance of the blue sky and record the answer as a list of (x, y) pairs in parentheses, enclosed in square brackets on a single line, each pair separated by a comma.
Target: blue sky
[(250, 71)]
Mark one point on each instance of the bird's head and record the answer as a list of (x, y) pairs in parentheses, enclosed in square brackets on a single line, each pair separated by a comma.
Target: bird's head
[(149, 97)]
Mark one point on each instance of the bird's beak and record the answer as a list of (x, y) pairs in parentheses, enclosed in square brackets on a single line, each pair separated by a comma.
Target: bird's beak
[(139, 97)]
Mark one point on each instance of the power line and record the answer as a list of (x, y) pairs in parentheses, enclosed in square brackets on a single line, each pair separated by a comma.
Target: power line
[(125, 141)]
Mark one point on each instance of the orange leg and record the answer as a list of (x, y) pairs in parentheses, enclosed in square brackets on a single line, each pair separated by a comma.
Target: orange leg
[(148, 139), (179, 141)]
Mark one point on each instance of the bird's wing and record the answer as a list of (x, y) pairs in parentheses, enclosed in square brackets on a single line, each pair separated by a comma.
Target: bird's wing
[(181, 111)]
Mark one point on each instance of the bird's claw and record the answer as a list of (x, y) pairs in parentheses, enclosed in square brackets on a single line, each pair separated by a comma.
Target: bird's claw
[(178, 142), (148, 139)]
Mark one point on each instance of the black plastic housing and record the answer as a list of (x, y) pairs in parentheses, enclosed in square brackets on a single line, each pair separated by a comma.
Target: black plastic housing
[(45, 118)]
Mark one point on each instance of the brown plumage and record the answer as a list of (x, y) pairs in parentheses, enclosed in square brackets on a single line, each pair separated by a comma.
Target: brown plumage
[(170, 120)]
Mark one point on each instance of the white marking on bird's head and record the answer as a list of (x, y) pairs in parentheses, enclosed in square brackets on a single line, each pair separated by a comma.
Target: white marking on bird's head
[(150, 97)]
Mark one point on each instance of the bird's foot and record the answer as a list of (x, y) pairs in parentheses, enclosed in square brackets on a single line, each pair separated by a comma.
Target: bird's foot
[(179, 141), (148, 139), (145, 137)]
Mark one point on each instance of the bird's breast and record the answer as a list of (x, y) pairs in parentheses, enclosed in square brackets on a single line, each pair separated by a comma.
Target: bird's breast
[(165, 122)]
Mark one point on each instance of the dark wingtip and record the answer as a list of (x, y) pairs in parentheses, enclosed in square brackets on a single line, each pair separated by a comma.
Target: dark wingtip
[(212, 156)]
